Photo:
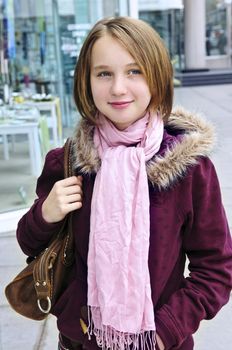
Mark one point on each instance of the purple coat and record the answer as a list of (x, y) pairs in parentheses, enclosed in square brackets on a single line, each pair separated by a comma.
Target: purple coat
[(187, 220)]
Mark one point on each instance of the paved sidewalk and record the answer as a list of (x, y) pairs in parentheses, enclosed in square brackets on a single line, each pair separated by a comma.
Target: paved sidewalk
[(20, 333)]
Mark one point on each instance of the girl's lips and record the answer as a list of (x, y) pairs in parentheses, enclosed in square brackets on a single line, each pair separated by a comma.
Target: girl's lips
[(120, 105)]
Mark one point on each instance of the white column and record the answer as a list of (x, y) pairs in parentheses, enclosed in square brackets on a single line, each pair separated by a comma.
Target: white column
[(133, 8), (194, 19), (123, 8), (128, 8), (95, 10)]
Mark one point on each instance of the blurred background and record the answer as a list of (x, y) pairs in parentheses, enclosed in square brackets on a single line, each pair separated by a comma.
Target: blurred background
[(39, 45)]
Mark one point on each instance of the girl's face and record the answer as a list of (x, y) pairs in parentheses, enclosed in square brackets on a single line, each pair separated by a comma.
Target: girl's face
[(119, 88)]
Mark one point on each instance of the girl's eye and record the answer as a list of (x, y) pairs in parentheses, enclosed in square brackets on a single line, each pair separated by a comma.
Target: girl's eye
[(103, 74), (134, 72)]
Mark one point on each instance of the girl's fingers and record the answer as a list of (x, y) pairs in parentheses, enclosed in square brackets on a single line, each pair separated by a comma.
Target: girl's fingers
[(69, 181), (74, 198), (65, 196), (73, 206), (74, 179), (68, 186), (74, 189)]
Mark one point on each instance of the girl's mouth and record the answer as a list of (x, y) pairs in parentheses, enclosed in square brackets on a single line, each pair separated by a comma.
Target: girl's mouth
[(120, 104)]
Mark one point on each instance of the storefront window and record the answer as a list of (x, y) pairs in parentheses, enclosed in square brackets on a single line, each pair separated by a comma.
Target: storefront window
[(39, 45), (29, 46), (169, 24), (216, 27)]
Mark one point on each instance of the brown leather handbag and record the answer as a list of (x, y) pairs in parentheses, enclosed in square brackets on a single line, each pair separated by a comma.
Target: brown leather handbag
[(34, 291)]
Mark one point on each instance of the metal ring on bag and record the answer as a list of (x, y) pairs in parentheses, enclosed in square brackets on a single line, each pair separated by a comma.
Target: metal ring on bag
[(45, 311)]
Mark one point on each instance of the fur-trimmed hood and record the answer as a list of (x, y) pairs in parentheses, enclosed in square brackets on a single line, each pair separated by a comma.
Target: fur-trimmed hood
[(191, 137)]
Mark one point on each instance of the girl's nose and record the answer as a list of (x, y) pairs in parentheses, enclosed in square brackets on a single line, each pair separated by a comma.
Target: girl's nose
[(118, 86)]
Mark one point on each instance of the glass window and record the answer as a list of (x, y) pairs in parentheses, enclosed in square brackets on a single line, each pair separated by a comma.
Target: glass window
[(169, 24), (216, 27), (39, 45)]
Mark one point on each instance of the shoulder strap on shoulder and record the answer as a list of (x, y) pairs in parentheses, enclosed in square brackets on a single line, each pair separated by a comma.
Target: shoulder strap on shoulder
[(68, 158)]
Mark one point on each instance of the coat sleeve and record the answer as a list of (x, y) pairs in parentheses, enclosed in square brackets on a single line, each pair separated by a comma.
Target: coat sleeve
[(207, 244), (33, 232)]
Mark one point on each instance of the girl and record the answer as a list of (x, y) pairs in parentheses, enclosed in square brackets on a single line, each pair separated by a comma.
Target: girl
[(145, 197)]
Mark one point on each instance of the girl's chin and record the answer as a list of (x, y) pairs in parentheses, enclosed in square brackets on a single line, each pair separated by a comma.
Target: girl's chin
[(123, 126)]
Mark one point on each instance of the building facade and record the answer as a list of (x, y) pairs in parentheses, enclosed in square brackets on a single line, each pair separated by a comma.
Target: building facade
[(197, 33), (40, 40)]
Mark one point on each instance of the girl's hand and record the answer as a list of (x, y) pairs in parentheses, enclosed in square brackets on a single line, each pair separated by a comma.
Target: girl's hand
[(64, 197), (159, 342)]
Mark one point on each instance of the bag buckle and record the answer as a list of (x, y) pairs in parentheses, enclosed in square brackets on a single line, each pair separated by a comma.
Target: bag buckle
[(49, 305)]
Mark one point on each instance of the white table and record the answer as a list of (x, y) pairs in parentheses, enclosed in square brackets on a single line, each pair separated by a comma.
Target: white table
[(30, 129)]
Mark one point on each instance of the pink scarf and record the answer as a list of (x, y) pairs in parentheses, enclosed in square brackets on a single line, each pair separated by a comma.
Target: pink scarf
[(119, 291)]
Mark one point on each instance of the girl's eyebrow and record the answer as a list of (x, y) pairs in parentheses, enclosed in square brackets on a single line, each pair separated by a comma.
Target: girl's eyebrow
[(102, 66)]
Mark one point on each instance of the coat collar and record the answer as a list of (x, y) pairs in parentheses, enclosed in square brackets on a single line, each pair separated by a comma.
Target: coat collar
[(187, 138)]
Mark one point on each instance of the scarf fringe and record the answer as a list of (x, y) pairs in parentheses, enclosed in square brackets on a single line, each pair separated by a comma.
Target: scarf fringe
[(109, 338)]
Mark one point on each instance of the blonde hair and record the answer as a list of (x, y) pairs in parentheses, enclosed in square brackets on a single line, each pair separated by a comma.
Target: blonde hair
[(145, 46)]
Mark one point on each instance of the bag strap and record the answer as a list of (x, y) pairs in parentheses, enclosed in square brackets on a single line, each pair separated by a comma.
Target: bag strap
[(43, 267), (68, 248), (67, 173), (66, 229), (67, 158)]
